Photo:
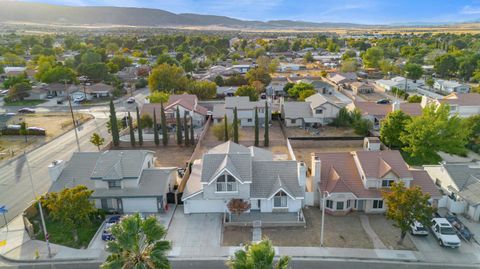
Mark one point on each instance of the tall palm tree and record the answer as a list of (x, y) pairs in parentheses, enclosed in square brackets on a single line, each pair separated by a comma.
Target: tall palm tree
[(138, 244), (257, 256)]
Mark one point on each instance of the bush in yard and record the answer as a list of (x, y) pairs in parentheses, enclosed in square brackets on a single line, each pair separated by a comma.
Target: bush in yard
[(238, 206), (146, 121), (219, 131)]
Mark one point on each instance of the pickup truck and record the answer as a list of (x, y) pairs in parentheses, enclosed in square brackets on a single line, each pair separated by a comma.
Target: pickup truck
[(444, 232)]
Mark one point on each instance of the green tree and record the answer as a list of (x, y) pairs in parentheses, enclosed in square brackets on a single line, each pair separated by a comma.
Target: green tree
[(164, 126), (204, 90), (97, 140), (114, 125), (19, 91), (72, 207), (145, 121), (130, 127), (219, 131), (288, 86), (235, 125), (139, 127), (305, 94), (392, 127), (158, 97), (362, 127), (155, 128), (432, 132), (257, 133), (266, 136), (138, 244), (257, 256), (225, 128), (185, 129), (167, 78), (249, 91), (445, 65), (349, 65), (166, 59), (178, 127), (187, 64), (260, 74), (372, 57), (95, 71), (91, 57), (413, 71), (407, 205), (298, 88), (59, 74), (343, 119), (219, 81), (308, 57), (23, 130), (415, 99)]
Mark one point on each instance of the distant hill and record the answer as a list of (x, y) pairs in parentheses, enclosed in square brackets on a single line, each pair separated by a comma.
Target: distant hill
[(25, 12)]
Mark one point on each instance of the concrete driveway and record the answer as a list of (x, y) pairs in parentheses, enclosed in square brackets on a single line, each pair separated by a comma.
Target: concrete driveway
[(433, 252), (192, 234)]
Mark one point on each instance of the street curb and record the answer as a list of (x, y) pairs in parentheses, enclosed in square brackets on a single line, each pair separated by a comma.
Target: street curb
[(311, 257)]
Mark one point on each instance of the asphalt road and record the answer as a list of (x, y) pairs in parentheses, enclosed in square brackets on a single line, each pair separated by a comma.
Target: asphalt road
[(295, 264)]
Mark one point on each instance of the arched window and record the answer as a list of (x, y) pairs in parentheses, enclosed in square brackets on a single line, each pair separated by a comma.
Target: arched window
[(226, 183), (280, 199)]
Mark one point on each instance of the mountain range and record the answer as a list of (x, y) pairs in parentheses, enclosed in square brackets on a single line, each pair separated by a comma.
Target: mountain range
[(26, 12)]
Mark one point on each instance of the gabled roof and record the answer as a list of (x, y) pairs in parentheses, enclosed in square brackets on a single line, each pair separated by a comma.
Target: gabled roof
[(425, 182), (77, 171), (375, 163), (271, 176), (188, 101), (296, 110), (335, 182), (280, 186), (462, 99), (116, 164), (318, 99), (461, 173)]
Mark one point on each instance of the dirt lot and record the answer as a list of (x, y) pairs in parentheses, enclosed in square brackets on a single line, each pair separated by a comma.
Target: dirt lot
[(388, 233), (55, 125), (375, 96), (325, 131), (304, 154), (235, 236)]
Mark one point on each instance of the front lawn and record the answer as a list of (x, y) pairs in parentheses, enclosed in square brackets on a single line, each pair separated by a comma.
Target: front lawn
[(25, 103), (58, 234)]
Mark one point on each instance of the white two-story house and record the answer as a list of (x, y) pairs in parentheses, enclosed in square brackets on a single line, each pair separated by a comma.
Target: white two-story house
[(353, 181), (232, 171), (245, 110), (122, 181), (462, 104)]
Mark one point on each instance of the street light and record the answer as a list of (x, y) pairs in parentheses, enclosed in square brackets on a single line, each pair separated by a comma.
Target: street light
[(323, 215), (73, 117)]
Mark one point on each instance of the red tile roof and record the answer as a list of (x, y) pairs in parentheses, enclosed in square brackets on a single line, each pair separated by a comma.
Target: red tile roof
[(381, 110), (379, 163), (462, 99), (425, 182)]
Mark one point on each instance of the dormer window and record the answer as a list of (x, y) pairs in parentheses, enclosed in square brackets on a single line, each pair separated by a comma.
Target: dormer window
[(280, 199), (387, 183), (226, 183), (114, 184), (319, 111)]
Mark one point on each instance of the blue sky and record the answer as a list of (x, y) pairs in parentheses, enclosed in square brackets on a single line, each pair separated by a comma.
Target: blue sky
[(355, 11)]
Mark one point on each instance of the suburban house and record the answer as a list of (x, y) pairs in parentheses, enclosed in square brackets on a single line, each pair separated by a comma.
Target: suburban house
[(318, 84), (462, 104), (245, 110), (122, 181), (460, 182), (449, 86), (377, 112), (342, 78), (226, 90), (288, 67), (275, 88), (361, 87), (317, 110), (354, 181), (242, 68), (232, 171), (187, 105), (399, 83), (95, 91)]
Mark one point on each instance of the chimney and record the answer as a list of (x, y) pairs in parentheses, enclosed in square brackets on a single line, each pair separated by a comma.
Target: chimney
[(302, 174), (316, 169), (395, 106), (55, 169)]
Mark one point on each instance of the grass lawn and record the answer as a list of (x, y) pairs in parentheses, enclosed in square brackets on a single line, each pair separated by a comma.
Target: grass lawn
[(58, 234), (25, 103), (415, 161)]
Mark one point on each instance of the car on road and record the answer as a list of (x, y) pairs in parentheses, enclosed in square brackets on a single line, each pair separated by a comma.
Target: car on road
[(131, 100), (78, 100), (444, 233), (418, 229), (50, 96), (3, 92), (383, 101), (26, 110)]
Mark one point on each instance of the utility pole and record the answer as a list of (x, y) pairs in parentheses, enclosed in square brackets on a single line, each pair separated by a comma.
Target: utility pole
[(73, 117), (406, 79), (323, 216), (44, 227)]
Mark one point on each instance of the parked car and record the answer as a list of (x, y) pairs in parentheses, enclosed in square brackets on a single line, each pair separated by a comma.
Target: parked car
[(131, 100), (107, 235), (112, 220), (3, 92), (444, 232), (50, 96), (418, 229), (26, 110), (79, 99), (383, 101), (60, 101)]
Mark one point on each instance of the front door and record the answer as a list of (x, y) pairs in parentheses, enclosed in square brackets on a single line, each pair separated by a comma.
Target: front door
[(360, 205), (255, 205)]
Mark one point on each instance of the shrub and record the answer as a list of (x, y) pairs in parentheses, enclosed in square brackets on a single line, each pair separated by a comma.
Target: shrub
[(219, 132)]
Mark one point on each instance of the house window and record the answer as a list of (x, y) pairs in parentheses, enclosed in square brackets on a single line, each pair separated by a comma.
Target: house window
[(329, 204), (377, 204), (319, 111), (387, 183), (114, 184), (187, 112), (226, 183), (280, 199), (249, 120), (348, 203), (293, 121), (339, 205)]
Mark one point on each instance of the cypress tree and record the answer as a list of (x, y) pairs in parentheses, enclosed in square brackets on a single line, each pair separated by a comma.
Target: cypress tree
[(256, 128), (266, 140), (235, 125), (139, 127), (179, 127), (130, 126), (155, 128), (192, 134), (225, 131), (114, 125), (185, 129), (164, 126)]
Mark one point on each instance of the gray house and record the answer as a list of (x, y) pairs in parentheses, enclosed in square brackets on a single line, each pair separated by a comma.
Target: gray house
[(122, 181), (232, 171)]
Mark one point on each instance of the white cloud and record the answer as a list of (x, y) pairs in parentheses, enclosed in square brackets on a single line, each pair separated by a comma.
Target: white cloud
[(470, 10)]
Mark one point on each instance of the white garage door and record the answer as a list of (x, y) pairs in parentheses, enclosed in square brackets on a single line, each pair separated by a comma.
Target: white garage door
[(145, 205), (204, 206)]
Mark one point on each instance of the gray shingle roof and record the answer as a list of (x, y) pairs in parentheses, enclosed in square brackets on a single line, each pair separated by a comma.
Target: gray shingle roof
[(77, 171), (461, 173), (116, 164), (296, 110), (270, 176)]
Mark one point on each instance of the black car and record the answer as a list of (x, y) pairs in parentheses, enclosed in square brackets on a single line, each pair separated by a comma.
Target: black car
[(383, 101), (26, 110)]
